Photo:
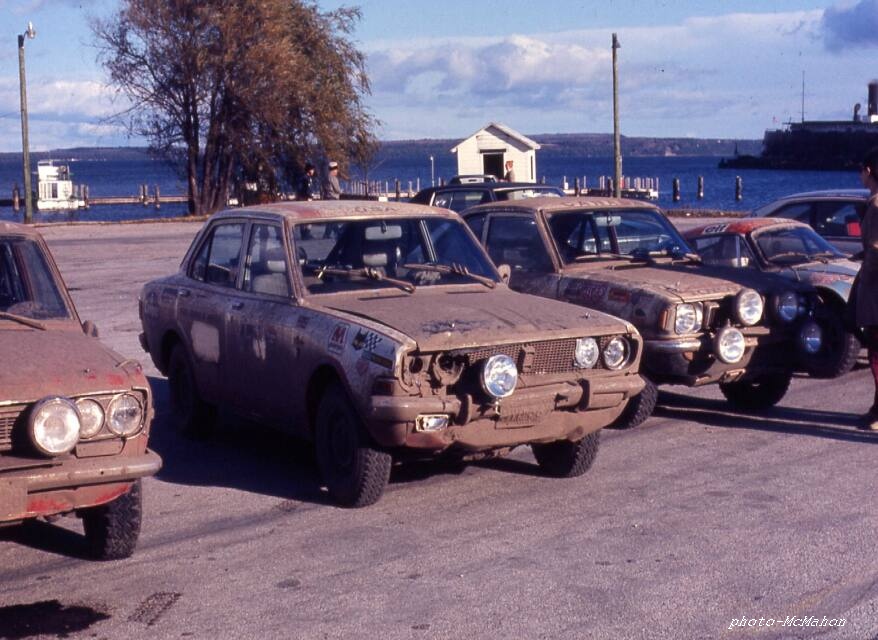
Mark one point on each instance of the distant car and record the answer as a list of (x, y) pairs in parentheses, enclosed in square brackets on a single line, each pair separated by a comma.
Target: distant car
[(74, 415), (462, 196), (472, 178), (393, 338), (834, 214), (795, 251), (745, 330)]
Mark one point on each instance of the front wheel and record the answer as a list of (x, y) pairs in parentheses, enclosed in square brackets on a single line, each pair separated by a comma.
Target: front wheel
[(639, 408), (757, 393), (839, 351), (565, 459), (354, 470), (112, 529), (189, 413)]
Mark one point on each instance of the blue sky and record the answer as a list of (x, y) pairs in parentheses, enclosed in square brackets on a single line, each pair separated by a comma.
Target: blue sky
[(445, 68)]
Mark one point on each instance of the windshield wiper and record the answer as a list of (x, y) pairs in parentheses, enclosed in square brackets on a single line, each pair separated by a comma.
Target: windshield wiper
[(30, 322), (369, 273), (455, 268)]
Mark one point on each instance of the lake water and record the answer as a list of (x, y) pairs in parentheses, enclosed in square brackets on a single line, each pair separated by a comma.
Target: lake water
[(123, 177)]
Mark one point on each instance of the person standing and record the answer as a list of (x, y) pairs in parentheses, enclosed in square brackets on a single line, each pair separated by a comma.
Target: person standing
[(509, 176), (331, 188), (865, 294), (307, 189)]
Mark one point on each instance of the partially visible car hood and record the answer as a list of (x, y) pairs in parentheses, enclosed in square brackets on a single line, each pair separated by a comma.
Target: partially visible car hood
[(834, 270), (675, 282), (36, 364), (454, 318)]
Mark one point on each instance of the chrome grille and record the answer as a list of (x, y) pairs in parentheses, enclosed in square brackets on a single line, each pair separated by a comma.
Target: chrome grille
[(549, 356), (8, 417)]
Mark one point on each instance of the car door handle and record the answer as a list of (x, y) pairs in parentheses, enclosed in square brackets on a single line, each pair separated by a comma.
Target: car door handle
[(237, 306), (183, 293)]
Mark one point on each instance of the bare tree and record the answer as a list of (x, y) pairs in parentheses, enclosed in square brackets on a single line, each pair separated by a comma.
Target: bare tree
[(239, 88)]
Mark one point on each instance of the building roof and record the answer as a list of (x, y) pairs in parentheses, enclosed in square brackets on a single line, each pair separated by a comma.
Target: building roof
[(512, 133)]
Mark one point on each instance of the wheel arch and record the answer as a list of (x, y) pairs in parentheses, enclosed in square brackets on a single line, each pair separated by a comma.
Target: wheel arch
[(320, 380)]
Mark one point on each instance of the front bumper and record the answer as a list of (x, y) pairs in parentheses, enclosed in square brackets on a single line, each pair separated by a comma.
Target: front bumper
[(60, 486), (560, 411)]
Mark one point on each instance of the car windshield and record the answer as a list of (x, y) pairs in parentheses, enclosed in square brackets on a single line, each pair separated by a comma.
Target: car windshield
[(527, 192), (404, 253), (27, 285), (793, 245), (581, 235)]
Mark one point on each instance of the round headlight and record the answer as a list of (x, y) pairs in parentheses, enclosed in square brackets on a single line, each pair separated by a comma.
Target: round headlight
[(54, 426), (729, 345), (748, 307), (688, 318), (499, 376), (91, 416), (811, 337), (616, 353), (587, 352), (124, 415), (786, 306)]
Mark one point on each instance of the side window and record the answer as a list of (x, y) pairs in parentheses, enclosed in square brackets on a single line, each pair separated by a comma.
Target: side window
[(516, 241), (217, 261), (266, 265), (832, 218), (461, 200), (477, 224), (724, 251), (800, 211)]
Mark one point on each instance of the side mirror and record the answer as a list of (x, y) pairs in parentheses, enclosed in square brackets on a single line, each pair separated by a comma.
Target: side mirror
[(90, 329), (505, 272)]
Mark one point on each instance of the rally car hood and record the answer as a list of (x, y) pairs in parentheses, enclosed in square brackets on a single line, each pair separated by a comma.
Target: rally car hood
[(674, 281), (40, 363), (836, 269), (451, 318)]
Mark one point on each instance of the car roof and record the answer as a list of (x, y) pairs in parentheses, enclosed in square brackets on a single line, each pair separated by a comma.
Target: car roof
[(18, 229), (740, 226), (554, 204), (316, 210), (486, 186), (827, 193)]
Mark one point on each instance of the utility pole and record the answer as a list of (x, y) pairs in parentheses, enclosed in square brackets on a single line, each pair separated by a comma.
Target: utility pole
[(617, 141), (25, 147)]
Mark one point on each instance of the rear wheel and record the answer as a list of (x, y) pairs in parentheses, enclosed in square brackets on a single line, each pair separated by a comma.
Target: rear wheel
[(112, 529), (354, 470), (189, 413), (757, 393), (565, 459), (639, 408)]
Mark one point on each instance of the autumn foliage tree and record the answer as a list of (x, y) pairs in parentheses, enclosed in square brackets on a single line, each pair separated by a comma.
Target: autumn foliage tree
[(239, 89)]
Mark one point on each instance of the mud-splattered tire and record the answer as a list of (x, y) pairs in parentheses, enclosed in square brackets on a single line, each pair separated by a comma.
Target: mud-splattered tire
[(839, 352), (639, 408), (758, 393), (565, 459), (190, 414), (112, 529), (354, 471)]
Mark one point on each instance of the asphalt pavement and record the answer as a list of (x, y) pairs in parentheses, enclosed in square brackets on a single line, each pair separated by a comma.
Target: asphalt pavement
[(699, 520)]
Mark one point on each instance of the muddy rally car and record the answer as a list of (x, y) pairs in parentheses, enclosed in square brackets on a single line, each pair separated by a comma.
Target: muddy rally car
[(380, 332), (745, 330), (74, 415), (795, 251)]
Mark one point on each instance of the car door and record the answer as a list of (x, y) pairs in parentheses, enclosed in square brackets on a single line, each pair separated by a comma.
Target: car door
[(515, 240), (202, 301), (261, 335), (839, 222)]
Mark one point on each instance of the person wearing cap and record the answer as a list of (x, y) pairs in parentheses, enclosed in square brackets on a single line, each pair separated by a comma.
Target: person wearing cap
[(331, 188)]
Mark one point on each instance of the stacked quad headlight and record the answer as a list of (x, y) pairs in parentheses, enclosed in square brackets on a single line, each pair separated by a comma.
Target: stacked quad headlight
[(786, 306), (91, 415), (748, 307), (616, 353), (54, 426), (811, 337), (729, 345), (688, 318), (499, 376)]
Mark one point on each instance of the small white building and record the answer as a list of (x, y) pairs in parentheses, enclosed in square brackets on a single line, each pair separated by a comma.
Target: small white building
[(55, 188), (487, 150)]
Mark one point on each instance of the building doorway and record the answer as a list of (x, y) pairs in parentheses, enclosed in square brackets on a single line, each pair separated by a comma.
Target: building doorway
[(492, 163)]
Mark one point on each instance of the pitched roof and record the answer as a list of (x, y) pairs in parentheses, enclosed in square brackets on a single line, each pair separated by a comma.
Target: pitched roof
[(512, 133)]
